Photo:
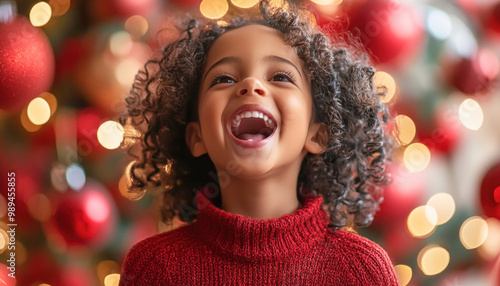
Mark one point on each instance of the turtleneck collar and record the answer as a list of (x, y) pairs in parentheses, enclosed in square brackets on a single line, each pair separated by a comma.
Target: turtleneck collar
[(254, 239)]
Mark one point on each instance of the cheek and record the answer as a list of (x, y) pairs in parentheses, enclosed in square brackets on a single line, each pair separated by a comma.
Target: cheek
[(297, 109)]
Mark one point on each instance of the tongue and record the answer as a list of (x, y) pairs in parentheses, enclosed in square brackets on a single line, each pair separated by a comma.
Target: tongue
[(251, 137)]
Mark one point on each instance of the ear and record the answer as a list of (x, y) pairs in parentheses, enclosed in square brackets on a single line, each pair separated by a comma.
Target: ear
[(317, 138), (194, 139)]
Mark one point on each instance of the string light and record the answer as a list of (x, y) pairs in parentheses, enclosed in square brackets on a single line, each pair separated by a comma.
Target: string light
[(214, 9), (110, 134), (38, 111), (433, 259), (40, 14), (385, 84), (444, 204), (404, 274), (416, 157), (405, 131), (473, 232), (422, 221), (137, 25), (471, 114), (244, 3), (112, 280)]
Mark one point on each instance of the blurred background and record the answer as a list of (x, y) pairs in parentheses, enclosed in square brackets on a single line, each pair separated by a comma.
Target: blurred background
[(67, 65)]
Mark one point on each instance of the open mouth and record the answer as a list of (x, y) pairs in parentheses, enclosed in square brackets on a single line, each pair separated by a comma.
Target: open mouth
[(252, 126)]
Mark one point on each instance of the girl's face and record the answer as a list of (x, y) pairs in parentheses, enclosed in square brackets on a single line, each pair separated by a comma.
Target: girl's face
[(255, 105)]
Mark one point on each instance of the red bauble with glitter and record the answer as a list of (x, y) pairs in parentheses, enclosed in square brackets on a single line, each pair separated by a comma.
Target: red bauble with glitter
[(83, 218), (389, 30), (26, 63), (490, 192)]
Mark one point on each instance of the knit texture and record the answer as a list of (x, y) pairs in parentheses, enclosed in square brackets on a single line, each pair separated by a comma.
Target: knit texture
[(221, 248)]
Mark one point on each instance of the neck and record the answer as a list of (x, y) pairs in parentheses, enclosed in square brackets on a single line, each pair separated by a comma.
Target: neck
[(270, 197)]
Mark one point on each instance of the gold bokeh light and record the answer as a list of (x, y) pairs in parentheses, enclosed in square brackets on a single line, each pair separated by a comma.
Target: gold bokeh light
[(214, 9), (136, 25), (444, 204), (406, 130), (110, 134), (404, 274), (112, 280), (471, 114), (473, 232), (40, 14), (244, 3), (38, 111), (59, 7), (433, 260), (417, 157), (422, 221)]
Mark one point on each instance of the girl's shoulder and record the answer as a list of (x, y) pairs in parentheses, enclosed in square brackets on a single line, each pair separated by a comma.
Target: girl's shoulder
[(363, 254)]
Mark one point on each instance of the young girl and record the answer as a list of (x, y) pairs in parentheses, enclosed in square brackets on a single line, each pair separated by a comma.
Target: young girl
[(269, 141)]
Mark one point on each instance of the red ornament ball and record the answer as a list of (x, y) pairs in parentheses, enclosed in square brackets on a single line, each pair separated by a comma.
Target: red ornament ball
[(475, 74), (389, 30), (490, 192), (83, 218), (26, 63)]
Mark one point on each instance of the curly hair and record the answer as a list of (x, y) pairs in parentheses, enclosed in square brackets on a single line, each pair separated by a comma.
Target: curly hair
[(348, 174)]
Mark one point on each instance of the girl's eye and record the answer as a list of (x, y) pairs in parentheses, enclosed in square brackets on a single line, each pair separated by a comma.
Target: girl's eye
[(282, 76), (222, 79)]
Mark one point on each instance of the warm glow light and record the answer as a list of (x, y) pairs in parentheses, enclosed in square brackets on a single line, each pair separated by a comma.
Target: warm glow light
[(422, 221), (406, 129), (137, 25), (38, 111), (4, 238), (444, 204), (244, 3), (120, 43), (327, 2), (433, 259), (471, 114), (40, 14), (59, 7), (112, 280), (404, 274), (27, 124), (106, 267), (75, 176), (417, 157), (214, 9), (473, 232), (126, 70), (51, 101), (110, 134), (96, 208), (490, 247), (385, 83)]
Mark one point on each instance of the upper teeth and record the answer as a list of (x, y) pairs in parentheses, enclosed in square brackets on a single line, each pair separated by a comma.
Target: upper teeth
[(252, 114)]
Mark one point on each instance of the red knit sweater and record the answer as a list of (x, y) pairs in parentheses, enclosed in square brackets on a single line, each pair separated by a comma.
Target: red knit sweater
[(221, 248)]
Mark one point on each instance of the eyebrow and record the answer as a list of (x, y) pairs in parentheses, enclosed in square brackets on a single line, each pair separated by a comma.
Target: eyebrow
[(272, 58)]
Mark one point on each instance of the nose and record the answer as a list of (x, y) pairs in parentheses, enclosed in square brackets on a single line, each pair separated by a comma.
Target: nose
[(251, 86)]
